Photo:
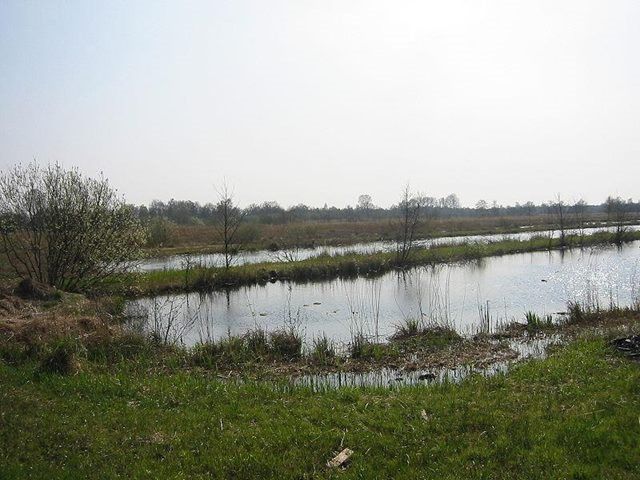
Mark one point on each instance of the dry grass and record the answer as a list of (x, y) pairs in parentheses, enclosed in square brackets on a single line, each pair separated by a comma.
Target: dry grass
[(342, 232)]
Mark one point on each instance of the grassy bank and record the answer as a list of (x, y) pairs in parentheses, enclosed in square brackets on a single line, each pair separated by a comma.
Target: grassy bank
[(327, 267), (573, 415)]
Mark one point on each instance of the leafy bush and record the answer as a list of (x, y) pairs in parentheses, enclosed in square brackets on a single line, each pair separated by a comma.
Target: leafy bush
[(63, 229), (159, 232)]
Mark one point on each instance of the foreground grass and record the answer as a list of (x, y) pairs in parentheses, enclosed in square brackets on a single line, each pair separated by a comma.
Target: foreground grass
[(573, 415), (327, 267)]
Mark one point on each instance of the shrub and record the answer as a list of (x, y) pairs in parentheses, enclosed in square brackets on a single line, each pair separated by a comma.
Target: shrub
[(408, 328), (257, 342), (323, 351), (285, 344), (61, 359), (159, 232), (64, 229)]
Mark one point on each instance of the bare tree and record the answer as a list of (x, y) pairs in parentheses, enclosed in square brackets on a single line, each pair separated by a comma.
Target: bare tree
[(559, 211), (64, 229), (409, 207), (618, 214), (580, 215), (228, 220)]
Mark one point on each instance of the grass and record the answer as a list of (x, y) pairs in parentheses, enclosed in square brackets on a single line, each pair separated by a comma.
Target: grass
[(536, 322), (411, 338), (323, 351), (573, 415), (327, 267)]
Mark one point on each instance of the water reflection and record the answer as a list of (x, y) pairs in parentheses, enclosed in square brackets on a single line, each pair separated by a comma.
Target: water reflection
[(494, 290), (534, 348)]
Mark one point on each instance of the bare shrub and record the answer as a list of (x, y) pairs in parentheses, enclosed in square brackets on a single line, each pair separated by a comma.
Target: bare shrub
[(410, 207), (228, 219)]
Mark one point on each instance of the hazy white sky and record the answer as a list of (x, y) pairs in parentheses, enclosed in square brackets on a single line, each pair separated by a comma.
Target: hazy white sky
[(319, 101)]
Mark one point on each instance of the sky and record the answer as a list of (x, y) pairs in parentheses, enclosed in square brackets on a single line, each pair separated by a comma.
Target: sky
[(317, 102)]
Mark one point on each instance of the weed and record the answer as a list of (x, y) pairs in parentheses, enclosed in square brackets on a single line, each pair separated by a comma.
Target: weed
[(410, 327), (60, 359), (285, 344), (323, 351), (536, 323)]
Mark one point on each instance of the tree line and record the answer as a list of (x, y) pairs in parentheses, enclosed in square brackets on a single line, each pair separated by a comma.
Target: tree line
[(187, 212), (74, 232)]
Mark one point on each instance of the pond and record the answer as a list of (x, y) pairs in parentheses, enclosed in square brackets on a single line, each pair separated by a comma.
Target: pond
[(495, 289)]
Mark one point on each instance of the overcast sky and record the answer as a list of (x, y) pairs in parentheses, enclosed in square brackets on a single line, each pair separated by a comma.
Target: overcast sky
[(320, 101)]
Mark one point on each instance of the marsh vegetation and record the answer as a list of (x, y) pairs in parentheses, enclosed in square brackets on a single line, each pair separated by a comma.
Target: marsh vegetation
[(450, 317)]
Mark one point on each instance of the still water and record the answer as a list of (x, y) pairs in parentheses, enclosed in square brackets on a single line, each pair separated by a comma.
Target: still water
[(455, 294), (387, 377)]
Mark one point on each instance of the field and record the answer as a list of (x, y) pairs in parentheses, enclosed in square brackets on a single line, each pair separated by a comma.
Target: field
[(205, 238), (572, 415)]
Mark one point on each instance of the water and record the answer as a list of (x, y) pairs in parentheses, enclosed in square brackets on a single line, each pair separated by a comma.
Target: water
[(391, 377), (508, 286), (260, 256)]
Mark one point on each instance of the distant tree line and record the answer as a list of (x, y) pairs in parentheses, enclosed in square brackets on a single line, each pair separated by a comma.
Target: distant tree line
[(186, 212)]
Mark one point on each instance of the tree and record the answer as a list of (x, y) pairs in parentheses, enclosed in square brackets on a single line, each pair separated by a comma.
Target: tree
[(64, 229), (580, 214), (228, 220), (618, 214), (482, 205), (559, 211), (409, 207), (452, 201), (530, 208), (364, 203)]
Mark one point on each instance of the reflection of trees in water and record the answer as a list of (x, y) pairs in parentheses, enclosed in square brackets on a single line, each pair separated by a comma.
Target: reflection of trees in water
[(428, 296), (363, 300)]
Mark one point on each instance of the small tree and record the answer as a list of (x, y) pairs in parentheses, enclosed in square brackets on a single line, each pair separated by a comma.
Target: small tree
[(559, 211), (410, 207), (64, 229), (618, 214), (365, 204), (580, 214), (482, 205), (159, 232), (228, 220)]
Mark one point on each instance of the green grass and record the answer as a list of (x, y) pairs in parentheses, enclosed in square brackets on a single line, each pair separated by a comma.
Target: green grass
[(536, 322), (327, 267), (573, 415)]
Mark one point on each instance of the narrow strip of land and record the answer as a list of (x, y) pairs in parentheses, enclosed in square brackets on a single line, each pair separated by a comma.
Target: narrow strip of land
[(328, 267)]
